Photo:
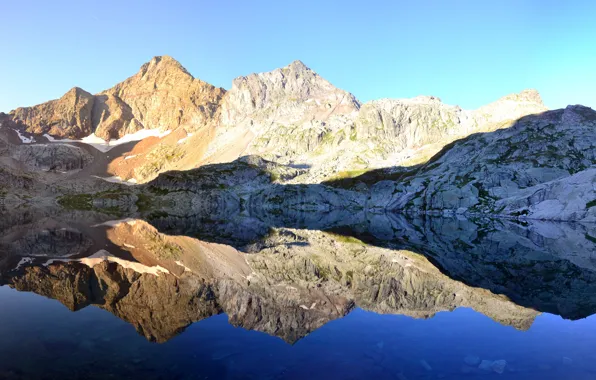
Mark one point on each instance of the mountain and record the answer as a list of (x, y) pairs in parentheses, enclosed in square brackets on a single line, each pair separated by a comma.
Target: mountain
[(290, 115), (293, 116), (161, 95), (511, 158), (542, 167), (282, 113), (70, 116)]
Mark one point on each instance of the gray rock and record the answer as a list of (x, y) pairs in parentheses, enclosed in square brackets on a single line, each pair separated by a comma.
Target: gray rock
[(543, 167)]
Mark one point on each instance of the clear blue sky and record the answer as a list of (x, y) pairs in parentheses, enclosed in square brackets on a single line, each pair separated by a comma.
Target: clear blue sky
[(466, 52)]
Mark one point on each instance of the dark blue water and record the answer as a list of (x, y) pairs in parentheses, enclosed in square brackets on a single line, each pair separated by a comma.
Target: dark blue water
[(253, 299), (42, 339)]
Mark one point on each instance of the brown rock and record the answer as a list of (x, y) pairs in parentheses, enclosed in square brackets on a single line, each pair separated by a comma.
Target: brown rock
[(112, 118), (163, 95), (69, 116)]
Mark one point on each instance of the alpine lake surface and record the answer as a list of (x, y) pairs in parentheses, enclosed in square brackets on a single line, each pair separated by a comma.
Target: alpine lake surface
[(309, 297)]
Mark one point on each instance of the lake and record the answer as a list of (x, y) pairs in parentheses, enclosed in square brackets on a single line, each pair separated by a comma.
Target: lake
[(310, 297)]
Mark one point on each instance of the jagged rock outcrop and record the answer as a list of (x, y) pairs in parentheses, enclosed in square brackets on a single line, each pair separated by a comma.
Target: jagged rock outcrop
[(283, 116), (510, 108), (285, 112), (250, 172), (51, 157), (70, 116), (161, 95), (113, 118), (397, 124), (543, 167)]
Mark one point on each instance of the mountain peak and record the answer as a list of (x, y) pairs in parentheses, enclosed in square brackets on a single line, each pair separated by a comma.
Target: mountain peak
[(162, 63), (297, 65), (76, 91), (527, 95), (164, 60), (531, 95)]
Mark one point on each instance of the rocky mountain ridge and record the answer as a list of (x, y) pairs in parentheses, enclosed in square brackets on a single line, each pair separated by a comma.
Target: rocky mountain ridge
[(511, 158), (162, 95), (289, 115)]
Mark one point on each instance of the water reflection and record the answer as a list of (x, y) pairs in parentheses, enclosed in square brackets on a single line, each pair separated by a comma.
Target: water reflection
[(297, 277)]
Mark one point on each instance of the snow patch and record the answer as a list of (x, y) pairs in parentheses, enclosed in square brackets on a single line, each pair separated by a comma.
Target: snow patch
[(114, 223), (116, 179), (24, 139), (24, 260), (105, 146), (186, 269), (51, 261), (103, 255), (185, 138)]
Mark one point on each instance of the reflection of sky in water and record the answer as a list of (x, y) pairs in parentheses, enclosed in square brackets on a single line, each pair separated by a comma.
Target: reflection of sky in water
[(40, 336)]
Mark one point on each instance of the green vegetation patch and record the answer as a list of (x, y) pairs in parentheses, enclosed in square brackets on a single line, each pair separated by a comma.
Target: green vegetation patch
[(347, 180), (164, 249), (76, 201), (347, 174), (85, 201), (591, 204), (159, 159), (344, 238), (144, 202)]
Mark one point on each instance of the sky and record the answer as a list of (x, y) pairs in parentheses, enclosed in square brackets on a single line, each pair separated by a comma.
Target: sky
[(467, 53)]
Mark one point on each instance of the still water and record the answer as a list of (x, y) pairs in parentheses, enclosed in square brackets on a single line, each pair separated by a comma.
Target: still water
[(382, 297)]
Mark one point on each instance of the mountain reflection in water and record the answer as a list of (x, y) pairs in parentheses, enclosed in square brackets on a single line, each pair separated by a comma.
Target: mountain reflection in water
[(295, 277)]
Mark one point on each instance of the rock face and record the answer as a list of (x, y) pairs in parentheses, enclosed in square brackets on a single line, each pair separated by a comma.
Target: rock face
[(403, 123), (543, 167), (161, 95), (293, 116), (509, 158), (70, 116), (113, 118), (52, 157), (285, 112), (412, 123)]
